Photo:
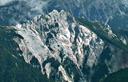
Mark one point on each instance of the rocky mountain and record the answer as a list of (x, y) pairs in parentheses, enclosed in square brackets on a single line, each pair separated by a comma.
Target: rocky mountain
[(60, 41), (64, 49)]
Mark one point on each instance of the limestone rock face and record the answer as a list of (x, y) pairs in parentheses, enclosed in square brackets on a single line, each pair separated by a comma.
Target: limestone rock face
[(64, 50)]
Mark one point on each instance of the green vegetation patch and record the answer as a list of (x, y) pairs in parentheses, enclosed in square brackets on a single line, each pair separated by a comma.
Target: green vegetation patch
[(120, 76)]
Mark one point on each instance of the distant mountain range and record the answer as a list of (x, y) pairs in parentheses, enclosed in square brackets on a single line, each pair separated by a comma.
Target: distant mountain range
[(111, 12)]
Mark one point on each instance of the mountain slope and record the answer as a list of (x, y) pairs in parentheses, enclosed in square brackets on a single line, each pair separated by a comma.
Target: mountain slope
[(104, 33), (12, 65)]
